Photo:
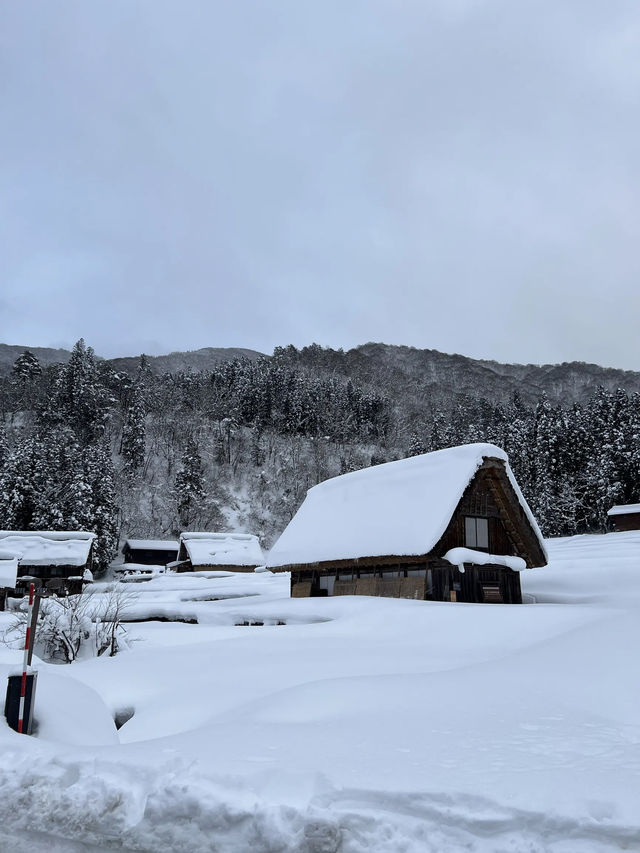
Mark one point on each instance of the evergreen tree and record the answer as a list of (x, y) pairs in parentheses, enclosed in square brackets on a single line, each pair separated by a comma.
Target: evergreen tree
[(80, 400), (103, 512), (189, 485), (26, 374), (17, 486), (4, 445), (416, 445), (134, 434), (26, 368)]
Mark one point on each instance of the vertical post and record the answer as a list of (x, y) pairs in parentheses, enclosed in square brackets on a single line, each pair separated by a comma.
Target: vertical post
[(34, 623), (25, 664)]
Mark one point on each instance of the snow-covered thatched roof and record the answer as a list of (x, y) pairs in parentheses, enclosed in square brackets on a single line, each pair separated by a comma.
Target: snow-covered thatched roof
[(152, 544), (48, 547), (222, 549), (624, 509), (399, 508)]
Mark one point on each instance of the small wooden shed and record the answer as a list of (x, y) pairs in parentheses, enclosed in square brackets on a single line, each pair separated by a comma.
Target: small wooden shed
[(625, 517), (231, 552), (51, 555), (150, 552), (451, 525)]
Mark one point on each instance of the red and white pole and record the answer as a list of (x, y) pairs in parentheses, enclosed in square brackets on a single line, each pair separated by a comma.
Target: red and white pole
[(23, 685)]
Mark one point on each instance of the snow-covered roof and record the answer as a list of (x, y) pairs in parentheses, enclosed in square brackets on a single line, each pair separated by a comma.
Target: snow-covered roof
[(399, 508), (222, 549), (152, 544), (48, 547), (624, 509)]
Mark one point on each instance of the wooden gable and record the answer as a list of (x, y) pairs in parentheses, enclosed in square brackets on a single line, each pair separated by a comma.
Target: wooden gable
[(490, 495)]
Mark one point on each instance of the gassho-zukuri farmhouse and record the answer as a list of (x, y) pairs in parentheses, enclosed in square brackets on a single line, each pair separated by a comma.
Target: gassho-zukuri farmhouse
[(451, 525)]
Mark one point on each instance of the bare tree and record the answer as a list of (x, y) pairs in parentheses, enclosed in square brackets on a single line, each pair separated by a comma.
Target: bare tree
[(88, 623)]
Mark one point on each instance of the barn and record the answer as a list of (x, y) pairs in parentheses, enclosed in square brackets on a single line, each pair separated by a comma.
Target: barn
[(231, 552), (150, 552), (52, 557), (451, 525), (625, 517)]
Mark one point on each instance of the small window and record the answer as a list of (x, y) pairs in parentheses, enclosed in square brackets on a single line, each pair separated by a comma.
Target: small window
[(476, 532)]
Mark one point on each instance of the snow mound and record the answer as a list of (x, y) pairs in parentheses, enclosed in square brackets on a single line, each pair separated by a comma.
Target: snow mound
[(66, 710)]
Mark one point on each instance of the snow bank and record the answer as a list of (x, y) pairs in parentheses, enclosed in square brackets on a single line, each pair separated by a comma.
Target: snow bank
[(399, 508), (66, 710)]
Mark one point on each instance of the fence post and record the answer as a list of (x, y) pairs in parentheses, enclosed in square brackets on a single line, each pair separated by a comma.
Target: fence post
[(26, 659)]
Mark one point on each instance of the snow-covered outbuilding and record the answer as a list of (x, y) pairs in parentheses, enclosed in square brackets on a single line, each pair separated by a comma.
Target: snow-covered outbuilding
[(231, 552), (451, 525), (150, 552), (8, 575), (8, 569), (625, 517), (50, 554)]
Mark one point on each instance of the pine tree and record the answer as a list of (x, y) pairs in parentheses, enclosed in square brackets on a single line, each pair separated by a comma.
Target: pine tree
[(16, 487), (103, 520), (134, 434), (4, 445), (600, 483), (257, 452), (26, 367), (79, 400), (416, 445), (189, 485), (25, 376)]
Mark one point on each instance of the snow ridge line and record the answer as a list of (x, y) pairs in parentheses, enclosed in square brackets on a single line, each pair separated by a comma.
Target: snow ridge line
[(478, 817), (164, 810)]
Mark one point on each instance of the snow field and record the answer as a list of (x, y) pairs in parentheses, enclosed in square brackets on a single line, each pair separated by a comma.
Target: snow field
[(360, 725)]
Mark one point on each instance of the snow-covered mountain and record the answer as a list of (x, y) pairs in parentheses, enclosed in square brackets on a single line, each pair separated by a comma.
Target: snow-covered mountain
[(420, 379)]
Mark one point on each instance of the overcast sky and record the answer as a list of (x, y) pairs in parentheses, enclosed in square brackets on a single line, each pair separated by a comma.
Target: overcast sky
[(462, 175)]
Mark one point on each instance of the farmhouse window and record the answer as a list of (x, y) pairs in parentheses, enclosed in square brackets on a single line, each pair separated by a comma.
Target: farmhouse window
[(476, 532)]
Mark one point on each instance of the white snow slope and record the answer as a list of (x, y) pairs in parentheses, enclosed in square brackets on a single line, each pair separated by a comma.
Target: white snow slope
[(362, 724)]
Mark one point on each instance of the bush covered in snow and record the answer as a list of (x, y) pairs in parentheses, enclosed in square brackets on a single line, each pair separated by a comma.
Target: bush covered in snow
[(76, 625)]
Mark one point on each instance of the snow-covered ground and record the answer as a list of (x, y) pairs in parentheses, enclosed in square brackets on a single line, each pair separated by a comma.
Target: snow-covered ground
[(359, 724)]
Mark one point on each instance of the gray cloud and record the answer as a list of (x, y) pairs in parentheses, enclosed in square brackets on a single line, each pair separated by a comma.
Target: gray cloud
[(459, 175)]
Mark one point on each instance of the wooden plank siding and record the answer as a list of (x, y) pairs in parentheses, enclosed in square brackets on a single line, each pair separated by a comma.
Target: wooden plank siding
[(628, 521)]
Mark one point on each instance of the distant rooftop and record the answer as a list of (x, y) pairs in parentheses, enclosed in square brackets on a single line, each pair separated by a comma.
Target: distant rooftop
[(152, 544), (624, 509), (222, 549)]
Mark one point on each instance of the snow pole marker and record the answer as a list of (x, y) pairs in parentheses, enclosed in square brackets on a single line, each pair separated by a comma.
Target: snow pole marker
[(23, 684)]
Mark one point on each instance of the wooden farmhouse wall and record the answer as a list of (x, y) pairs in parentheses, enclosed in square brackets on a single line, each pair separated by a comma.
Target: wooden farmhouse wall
[(628, 521)]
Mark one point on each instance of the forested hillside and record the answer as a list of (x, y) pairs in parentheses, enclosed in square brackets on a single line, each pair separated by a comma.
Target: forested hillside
[(235, 446)]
